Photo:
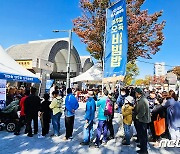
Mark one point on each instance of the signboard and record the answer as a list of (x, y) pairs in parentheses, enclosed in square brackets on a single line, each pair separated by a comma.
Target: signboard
[(61, 75), (25, 63), (2, 94), (116, 43), (45, 65), (48, 85), (172, 78), (12, 77)]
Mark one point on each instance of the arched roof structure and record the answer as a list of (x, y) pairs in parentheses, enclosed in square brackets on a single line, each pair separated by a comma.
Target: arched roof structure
[(53, 50)]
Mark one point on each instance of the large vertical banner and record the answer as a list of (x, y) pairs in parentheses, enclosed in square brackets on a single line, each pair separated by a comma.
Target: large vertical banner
[(116, 43), (2, 94)]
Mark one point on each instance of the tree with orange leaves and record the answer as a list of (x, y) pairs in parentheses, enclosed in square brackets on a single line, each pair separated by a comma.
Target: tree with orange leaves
[(144, 32), (176, 70)]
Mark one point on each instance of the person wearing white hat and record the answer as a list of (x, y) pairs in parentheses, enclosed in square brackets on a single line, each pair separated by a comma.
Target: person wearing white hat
[(127, 118)]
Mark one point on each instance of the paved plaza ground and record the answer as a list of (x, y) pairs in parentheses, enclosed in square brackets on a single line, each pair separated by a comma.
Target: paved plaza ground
[(11, 144)]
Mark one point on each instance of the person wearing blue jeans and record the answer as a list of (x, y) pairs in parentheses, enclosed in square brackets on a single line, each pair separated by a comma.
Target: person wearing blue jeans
[(56, 106), (127, 133), (87, 133), (127, 118), (89, 117), (56, 123), (102, 124)]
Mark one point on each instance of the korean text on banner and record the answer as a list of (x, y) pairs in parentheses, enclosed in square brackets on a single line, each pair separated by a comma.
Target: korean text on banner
[(116, 43), (2, 94)]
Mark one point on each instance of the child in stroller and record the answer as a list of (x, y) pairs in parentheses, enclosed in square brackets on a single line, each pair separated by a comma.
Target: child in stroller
[(8, 116)]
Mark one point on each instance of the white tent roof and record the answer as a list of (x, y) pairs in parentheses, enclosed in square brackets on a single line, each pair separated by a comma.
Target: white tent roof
[(11, 70), (91, 76)]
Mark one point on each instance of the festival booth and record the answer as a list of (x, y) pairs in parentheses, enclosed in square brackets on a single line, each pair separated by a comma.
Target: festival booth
[(10, 70), (91, 76)]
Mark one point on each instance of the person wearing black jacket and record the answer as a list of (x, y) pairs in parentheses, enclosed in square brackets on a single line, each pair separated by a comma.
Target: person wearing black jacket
[(31, 108), (45, 115)]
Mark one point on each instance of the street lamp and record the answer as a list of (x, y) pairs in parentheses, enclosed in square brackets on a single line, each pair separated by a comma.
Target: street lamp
[(69, 55)]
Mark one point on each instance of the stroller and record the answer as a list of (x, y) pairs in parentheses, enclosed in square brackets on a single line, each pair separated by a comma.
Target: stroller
[(9, 117)]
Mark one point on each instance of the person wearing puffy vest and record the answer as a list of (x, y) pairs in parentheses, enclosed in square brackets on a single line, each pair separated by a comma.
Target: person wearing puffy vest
[(127, 118), (56, 106)]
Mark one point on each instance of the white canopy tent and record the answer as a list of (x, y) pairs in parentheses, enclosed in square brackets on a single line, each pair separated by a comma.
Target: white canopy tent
[(11, 70), (91, 76)]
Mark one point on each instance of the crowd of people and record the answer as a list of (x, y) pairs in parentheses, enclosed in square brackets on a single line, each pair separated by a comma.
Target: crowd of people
[(136, 107)]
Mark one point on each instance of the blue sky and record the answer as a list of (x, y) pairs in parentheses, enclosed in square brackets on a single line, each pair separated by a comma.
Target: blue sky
[(26, 20)]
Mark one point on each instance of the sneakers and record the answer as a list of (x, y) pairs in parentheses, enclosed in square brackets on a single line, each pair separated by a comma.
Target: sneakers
[(125, 143), (16, 133), (25, 132), (40, 136), (142, 152), (29, 135), (104, 142), (110, 137), (138, 145), (71, 137), (84, 143), (94, 145), (54, 135), (65, 139)]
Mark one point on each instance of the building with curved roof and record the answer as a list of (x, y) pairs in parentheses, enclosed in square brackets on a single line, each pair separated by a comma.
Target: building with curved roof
[(86, 62), (49, 57)]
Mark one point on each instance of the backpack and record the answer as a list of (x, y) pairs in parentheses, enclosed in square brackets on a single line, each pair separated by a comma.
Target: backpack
[(109, 108)]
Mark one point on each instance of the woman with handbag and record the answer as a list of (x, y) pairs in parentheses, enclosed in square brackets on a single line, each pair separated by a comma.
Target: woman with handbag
[(157, 112)]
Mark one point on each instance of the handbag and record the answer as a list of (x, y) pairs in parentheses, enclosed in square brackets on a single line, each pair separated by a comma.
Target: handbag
[(159, 125)]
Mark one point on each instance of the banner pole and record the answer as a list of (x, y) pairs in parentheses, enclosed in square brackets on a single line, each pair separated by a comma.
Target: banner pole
[(104, 50)]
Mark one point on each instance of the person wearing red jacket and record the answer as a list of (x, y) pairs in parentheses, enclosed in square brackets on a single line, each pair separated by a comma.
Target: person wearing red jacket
[(22, 119)]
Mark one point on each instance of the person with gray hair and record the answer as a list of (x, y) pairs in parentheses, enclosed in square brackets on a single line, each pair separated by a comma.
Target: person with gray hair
[(142, 117)]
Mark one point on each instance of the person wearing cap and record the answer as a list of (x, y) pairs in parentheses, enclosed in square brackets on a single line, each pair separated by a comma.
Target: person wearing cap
[(127, 118), (89, 117), (102, 120), (142, 116)]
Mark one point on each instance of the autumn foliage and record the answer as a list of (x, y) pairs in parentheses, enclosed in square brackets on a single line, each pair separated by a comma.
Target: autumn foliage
[(176, 70), (144, 32)]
